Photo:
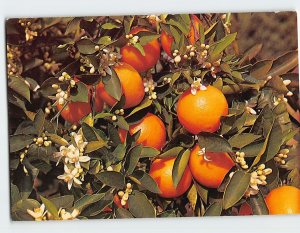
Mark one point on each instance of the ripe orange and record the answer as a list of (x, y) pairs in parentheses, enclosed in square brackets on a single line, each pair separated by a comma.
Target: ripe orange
[(74, 111), (245, 209), (211, 168), (98, 103), (284, 200), (133, 56), (132, 86), (153, 132), (161, 172), (167, 40), (202, 111)]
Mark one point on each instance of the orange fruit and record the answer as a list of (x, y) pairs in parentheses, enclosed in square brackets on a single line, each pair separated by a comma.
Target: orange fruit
[(74, 111), (161, 172), (167, 40), (211, 168), (117, 202), (153, 131), (284, 200), (202, 111), (98, 103), (245, 209), (132, 86), (133, 56)]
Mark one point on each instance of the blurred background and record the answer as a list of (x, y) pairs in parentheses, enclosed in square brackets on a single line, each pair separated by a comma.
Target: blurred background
[(276, 31)]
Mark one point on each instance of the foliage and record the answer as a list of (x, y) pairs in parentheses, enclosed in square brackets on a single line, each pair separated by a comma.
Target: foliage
[(262, 121)]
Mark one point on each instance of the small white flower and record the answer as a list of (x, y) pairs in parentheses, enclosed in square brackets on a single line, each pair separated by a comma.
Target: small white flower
[(38, 213), (70, 176), (196, 86), (67, 215)]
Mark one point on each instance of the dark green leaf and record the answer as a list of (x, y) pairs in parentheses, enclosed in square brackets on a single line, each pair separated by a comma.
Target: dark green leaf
[(86, 46), (221, 46), (213, 142), (214, 209), (81, 94), (260, 69), (149, 152), (19, 86), (243, 139), (146, 181), (112, 179), (140, 206), (173, 152), (132, 158), (179, 166), (123, 213), (18, 142), (284, 63), (258, 204), (39, 121), (144, 104), (236, 188), (113, 86)]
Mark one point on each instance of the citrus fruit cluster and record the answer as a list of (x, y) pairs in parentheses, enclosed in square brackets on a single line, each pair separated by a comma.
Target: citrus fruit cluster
[(162, 106)]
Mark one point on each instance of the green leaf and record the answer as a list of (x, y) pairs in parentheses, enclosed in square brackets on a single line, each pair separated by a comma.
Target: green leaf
[(39, 121), (243, 139), (140, 206), (32, 63), (109, 26), (213, 142), (128, 20), (140, 48), (175, 76), (171, 153), (94, 145), (132, 158), (192, 196), (145, 180), (144, 104), (87, 200), (50, 206), (149, 152), (202, 191), (73, 25), (63, 201), (221, 46), (250, 53), (57, 139), (215, 209), (113, 86), (19, 142), (263, 149), (14, 193), (179, 166), (81, 94), (258, 204), (112, 179), (260, 69), (19, 86), (102, 115), (122, 123), (284, 63), (86, 46), (277, 84), (123, 213), (253, 149), (119, 152), (145, 39), (236, 188)]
